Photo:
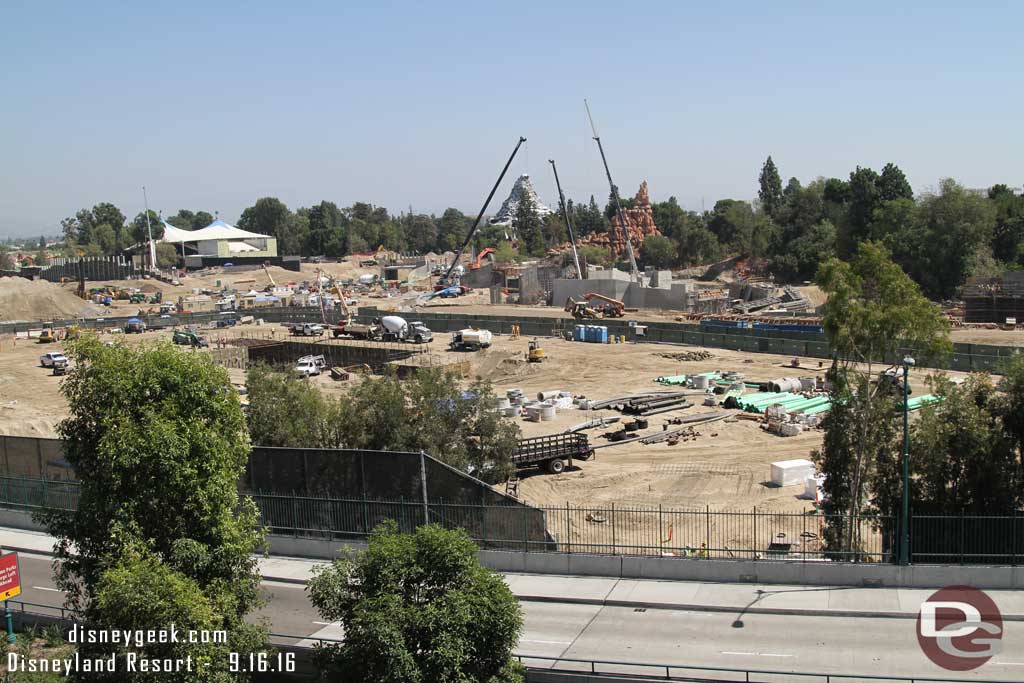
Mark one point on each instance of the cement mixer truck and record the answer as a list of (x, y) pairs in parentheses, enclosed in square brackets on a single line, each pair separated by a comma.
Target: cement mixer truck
[(397, 329)]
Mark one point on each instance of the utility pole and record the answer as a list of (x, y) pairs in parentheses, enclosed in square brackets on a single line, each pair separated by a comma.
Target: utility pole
[(905, 517), (615, 198), (568, 221), (149, 230)]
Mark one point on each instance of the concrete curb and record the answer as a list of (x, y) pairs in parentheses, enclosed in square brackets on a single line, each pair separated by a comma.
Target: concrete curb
[(785, 611), (682, 606), (285, 579)]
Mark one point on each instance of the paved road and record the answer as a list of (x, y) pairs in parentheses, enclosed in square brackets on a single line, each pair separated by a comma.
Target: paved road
[(826, 644)]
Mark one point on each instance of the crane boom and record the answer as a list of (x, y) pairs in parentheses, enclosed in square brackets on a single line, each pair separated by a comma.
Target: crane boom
[(568, 221), (634, 272), (476, 223)]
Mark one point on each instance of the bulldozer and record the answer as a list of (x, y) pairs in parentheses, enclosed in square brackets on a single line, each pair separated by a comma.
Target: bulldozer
[(535, 354)]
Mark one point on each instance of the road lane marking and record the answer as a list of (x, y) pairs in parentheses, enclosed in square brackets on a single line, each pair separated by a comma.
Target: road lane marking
[(753, 654), (44, 588)]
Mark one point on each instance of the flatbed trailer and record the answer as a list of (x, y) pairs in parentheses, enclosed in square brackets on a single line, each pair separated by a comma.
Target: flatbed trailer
[(552, 453)]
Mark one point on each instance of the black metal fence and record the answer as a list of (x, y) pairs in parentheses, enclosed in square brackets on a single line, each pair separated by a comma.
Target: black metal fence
[(618, 530)]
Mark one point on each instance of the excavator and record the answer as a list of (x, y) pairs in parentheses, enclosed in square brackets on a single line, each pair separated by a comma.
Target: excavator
[(475, 265), (611, 308)]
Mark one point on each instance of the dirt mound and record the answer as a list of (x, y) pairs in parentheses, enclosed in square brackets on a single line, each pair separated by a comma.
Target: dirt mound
[(22, 299)]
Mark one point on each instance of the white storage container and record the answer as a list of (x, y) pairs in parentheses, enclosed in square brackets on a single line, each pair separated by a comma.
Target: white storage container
[(789, 472)]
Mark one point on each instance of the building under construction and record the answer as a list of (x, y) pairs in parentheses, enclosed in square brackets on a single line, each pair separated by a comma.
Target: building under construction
[(993, 300)]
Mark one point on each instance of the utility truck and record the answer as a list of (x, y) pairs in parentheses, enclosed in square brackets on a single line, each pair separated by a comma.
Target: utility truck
[(310, 365)]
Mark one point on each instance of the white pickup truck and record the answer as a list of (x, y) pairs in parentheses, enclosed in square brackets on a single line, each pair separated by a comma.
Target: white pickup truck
[(307, 366)]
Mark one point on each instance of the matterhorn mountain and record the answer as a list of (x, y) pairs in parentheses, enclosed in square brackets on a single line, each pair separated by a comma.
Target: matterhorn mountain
[(522, 188)]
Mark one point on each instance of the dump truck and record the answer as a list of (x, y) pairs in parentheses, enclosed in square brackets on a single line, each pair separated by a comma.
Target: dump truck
[(372, 332), (397, 329), (552, 453), (470, 340)]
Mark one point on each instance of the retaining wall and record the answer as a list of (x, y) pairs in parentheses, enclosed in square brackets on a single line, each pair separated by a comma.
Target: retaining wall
[(965, 357)]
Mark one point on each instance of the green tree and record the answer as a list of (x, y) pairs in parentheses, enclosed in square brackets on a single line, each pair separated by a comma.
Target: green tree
[(326, 227), (269, 216), (139, 592), (770, 193), (138, 232), (864, 199), (287, 411), (800, 258), (166, 255), (157, 439), (892, 184), (452, 228), (587, 219), (873, 311), (421, 232), (428, 412), (431, 412), (1008, 232), (658, 251), (189, 220), (505, 253), (956, 223), (104, 237), (595, 255), (106, 213), (418, 607), (529, 227), (962, 459)]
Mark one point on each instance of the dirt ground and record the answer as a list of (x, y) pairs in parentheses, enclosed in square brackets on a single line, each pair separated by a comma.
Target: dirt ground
[(725, 467)]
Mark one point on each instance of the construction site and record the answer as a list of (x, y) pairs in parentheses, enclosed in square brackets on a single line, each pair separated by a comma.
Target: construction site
[(637, 390)]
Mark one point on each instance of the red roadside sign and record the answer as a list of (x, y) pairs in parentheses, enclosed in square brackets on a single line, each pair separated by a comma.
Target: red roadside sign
[(10, 577)]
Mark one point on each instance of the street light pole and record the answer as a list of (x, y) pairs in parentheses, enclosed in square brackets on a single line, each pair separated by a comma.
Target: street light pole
[(905, 523)]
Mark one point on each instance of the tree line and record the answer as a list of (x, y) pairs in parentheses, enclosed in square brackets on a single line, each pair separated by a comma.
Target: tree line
[(939, 238), (966, 450)]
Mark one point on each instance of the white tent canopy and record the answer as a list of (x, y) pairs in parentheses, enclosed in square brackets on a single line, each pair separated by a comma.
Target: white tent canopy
[(217, 230)]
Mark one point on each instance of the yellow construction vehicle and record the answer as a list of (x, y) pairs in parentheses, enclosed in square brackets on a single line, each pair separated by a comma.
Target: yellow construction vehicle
[(611, 308), (580, 309), (47, 336), (536, 353)]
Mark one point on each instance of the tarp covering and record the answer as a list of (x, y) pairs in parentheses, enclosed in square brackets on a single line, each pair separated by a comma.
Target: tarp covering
[(217, 230)]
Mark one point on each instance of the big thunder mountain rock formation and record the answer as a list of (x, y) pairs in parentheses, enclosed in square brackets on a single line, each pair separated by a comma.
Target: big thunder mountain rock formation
[(639, 226)]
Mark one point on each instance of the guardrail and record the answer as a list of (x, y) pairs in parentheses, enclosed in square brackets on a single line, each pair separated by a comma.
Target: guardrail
[(594, 667), (683, 672)]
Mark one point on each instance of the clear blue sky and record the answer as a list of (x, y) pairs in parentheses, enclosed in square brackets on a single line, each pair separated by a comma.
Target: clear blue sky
[(211, 105)]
